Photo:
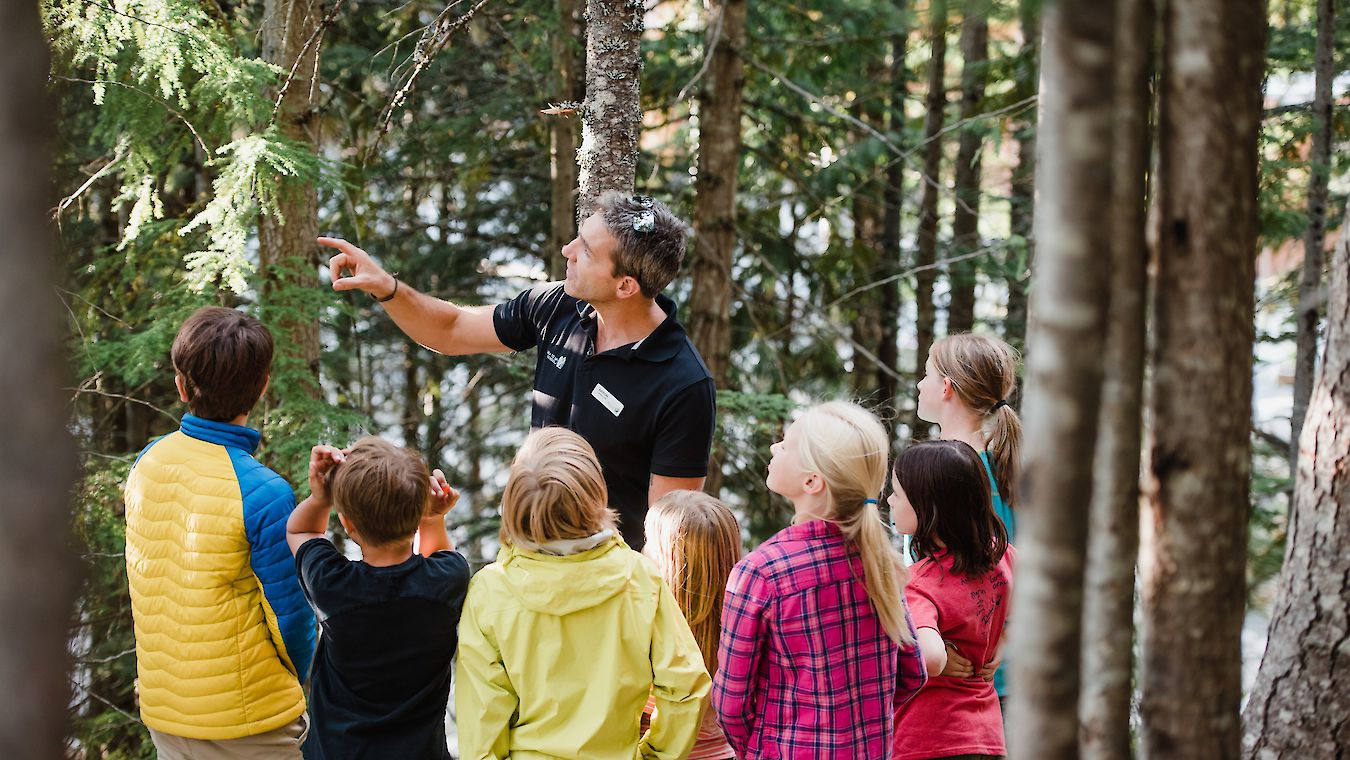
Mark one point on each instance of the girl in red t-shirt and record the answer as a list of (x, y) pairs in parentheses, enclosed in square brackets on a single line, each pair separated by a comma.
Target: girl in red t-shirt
[(958, 593)]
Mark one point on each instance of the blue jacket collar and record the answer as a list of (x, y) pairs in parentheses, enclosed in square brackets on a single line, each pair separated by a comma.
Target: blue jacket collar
[(223, 433)]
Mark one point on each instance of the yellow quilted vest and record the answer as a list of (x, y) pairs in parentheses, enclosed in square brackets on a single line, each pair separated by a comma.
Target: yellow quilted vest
[(208, 656)]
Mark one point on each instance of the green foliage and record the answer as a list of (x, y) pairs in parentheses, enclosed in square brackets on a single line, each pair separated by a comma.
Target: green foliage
[(167, 128), (1271, 490), (250, 176), (748, 423), (173, 87), (103, 723)]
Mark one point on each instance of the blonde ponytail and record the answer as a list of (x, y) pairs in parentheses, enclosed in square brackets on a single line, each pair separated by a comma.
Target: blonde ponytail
[(847, 446)]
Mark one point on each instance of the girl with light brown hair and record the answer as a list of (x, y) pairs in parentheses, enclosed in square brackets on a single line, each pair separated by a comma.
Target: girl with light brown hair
[(565, 635), (966, 391), (695, 541)]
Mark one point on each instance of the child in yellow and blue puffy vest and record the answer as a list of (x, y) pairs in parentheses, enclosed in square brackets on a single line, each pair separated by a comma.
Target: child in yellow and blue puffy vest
[(224, 637)]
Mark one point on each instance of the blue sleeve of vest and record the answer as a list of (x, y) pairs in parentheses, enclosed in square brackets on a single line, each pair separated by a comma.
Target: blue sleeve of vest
[(268, 501)]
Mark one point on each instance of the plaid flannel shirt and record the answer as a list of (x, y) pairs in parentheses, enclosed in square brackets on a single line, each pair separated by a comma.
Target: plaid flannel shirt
[(805, 669)]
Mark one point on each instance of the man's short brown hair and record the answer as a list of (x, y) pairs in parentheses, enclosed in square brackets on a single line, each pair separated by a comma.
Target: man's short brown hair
[(382, 489), (651, 239), (223, 356)]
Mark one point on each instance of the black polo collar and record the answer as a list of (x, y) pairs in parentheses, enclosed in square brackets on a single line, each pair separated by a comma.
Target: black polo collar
[(663, 343)]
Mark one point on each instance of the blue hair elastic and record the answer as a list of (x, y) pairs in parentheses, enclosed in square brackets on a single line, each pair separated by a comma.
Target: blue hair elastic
[(869, 501)]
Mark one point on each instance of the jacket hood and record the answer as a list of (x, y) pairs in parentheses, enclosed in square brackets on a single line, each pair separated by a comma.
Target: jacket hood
[(559, 586)]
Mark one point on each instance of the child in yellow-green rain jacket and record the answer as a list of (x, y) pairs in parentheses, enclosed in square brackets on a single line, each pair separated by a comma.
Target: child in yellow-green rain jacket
[(563, 638)]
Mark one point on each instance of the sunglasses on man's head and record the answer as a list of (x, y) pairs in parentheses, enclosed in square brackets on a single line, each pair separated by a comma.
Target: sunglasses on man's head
[(644, 220)]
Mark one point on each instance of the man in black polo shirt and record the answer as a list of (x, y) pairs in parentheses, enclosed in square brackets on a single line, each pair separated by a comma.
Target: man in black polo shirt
[(612, 361)]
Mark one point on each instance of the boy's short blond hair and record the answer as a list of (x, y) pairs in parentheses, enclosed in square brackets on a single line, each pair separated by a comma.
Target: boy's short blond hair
[(382, 489), (556, 490)]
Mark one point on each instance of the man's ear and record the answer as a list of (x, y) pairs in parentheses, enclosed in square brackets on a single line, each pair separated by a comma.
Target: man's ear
[(628, 287), (181, 385)]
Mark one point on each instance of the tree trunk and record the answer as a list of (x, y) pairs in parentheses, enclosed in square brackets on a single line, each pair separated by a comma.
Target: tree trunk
[(1297, 708), (412, 396), (868, 222), (1021, 252), (1195, 528), (719, 159), (1063, 381), (1310, 292), (966, 218), (1113, 532), (719, 149), (613, 111), (563, 143), (287, 254), (926, 255), (893, 200), (37, 456)]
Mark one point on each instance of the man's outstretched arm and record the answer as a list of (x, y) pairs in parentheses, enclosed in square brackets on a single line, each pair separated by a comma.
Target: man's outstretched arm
[(439, 325)]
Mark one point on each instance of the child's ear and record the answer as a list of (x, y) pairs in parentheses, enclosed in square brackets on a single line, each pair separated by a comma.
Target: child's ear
[(181, 384), (814, 484), (947, 388), (347, 526)]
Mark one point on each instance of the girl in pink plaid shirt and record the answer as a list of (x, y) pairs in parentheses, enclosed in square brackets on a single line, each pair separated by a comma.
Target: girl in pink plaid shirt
[(817, 648)]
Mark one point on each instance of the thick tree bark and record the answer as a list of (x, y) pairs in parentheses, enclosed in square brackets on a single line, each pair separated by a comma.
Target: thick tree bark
[(1299, 705), (37, 456), (563, 143), (1193, 564), (934, 103), (1113, 527), (612, 112), (1310, 291), (1063, 381), (966, 218), (287, 253), (719, 160), (1019, 257)]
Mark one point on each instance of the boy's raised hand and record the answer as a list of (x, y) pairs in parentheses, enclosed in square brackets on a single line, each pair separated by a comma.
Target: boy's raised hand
[(443, 497), (322, 459)]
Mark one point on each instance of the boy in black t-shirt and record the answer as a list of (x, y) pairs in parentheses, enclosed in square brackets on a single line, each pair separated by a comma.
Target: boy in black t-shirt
[(381, 675)]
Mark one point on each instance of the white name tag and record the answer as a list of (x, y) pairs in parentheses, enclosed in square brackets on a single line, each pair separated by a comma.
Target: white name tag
[(603, 395)]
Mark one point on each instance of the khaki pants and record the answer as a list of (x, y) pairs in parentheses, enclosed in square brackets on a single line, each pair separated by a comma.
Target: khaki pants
[(283, 742)]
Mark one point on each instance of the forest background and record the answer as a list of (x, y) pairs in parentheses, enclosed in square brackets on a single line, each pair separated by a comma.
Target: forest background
[(881, 180)]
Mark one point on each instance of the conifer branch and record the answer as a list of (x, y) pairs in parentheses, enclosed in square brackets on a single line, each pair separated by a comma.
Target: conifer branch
[(434, 37), (324, 23), (200, 142)]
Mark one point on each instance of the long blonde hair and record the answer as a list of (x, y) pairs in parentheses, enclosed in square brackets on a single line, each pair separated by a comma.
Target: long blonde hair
[(695, 541), (983, 371), (556, 490), (847, 446)]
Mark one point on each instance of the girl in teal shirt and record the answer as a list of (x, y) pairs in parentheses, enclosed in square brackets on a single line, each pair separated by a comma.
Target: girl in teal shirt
[(965, 391)]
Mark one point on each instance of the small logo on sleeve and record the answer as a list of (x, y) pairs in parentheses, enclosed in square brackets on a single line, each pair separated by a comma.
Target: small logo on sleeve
[(555, 360)]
